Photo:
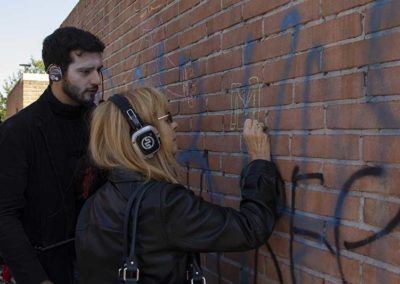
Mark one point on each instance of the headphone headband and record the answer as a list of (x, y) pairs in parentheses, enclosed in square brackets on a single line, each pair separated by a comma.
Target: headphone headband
[(144, 137), (129, 112)]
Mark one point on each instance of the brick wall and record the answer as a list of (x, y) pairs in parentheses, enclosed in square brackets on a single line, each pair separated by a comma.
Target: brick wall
[(15, 100), (33, 90), (323, 74), (25, 92)]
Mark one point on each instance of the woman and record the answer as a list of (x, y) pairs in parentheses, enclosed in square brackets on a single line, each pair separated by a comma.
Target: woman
[(173, 223)]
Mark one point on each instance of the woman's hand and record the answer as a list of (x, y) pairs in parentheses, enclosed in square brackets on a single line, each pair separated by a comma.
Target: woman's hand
[(256, 140)]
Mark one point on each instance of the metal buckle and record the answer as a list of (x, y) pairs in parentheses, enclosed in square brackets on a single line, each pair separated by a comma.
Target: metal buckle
[(203, 280), (125, 272)]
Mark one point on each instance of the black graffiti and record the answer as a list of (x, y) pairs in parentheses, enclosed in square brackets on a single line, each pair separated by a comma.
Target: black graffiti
[(295, 178), (294, 230), (386, 230)]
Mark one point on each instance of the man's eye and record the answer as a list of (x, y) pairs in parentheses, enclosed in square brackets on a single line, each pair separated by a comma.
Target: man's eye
[(86, 72)]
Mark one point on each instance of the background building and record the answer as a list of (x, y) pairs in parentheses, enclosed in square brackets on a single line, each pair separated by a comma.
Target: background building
[(27, 90)]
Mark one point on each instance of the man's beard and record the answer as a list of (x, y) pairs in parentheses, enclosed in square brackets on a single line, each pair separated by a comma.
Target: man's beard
[(78, 96)]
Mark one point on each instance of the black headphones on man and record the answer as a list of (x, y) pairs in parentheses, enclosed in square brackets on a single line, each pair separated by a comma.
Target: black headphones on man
[(145, 137), (55, 72)]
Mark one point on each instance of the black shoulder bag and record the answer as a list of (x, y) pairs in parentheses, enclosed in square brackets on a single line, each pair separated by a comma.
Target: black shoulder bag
[(129, 272)]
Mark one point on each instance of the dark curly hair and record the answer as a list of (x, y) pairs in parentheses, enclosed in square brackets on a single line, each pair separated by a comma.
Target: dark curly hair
[(57, 46)]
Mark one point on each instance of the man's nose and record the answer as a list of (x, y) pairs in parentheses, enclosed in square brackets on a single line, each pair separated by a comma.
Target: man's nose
[(96, 78)]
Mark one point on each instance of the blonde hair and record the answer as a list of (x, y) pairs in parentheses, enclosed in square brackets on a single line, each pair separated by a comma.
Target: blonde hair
[(110, 141)]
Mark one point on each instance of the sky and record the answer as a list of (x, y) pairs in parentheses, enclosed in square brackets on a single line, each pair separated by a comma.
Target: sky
[(23, 26)]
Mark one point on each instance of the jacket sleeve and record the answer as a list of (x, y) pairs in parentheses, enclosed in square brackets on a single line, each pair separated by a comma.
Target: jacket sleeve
[(15, 248), (193, 224)]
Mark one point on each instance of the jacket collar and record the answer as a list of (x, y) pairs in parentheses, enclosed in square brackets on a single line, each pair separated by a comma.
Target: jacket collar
[(119, 175)]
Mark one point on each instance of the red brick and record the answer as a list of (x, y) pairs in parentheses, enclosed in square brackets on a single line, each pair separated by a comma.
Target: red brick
[(378, 213), (373, 275), (224, 20), (184, 124), (149, 54), (185, 5), (298, 118), (325, 262), (381, 249), (382, 149), (251, 74), (244, 33), (188, 178), (383, 81), (254, 8), (206, 47), (211, 84), (224, 61), (333, 7), (379, 116), (338, 29), (306, 11), (382, 16), (286, 168), (169, 13), (243, 259), (329, 89), (192, 35), (270, 48), (230, 272), (233, 164), (279, 244), (192, 105), (326, 146), (217, 102), (279, 145), (271, 273), (204, 10), (223, 143), (208, 123), (346, 234), (175, 26), (171, 60), (175, 91), (171, 43), (202, 161), (294, 66), (169, 76), (276, 95), (323, 203), (335, 175), (188, 142), (356, 54), (228, 3)]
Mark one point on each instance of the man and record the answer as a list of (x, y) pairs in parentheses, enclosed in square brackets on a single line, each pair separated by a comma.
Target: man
[(41, 150)]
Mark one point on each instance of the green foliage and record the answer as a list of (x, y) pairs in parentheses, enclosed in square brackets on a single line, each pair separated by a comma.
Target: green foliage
[(3, 107), (37, 66)]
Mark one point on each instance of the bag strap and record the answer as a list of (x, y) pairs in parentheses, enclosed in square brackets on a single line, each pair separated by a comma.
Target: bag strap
[(129, 272), (194, 271)]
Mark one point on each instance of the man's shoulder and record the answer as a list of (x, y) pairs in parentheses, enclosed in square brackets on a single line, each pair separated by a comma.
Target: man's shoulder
[(24, 118)]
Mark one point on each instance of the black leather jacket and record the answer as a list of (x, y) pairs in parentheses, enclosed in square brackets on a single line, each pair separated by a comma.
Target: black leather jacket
[(172, 222)]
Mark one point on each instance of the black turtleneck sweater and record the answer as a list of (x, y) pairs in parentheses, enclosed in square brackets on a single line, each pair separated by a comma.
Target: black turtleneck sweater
[(72, 123)]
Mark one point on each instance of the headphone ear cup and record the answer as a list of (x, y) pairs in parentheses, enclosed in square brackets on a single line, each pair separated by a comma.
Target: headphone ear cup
[(55, 73), (146, 140)]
